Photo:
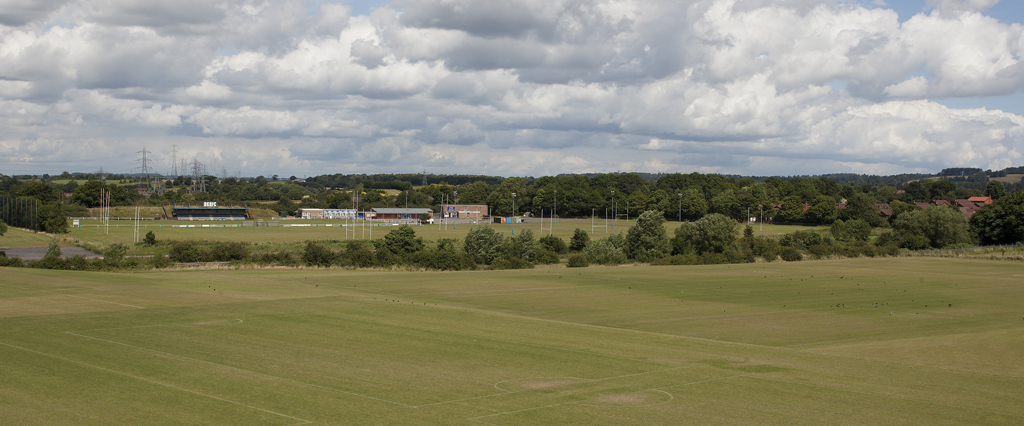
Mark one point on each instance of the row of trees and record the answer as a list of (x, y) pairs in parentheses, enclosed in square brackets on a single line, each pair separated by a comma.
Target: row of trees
[(686, 197)]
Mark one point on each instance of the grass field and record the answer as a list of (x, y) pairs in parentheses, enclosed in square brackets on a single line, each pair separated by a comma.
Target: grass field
[(20, 238), (861, 341), (121, 231)]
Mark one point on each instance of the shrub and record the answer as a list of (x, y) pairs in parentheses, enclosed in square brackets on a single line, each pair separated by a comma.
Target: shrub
[(316, 254), (711, 233), (511, 263), (150, 238), (765, 247), (852, 230), (358, 255), (521, 246), (227, 251), (546, 257), (603, 252), (14, 262), (187, 252), (554, 244), (483, 243), (647, 239), (577, 261), (579, 240), (403, 241), (791, 254), (679, 259)]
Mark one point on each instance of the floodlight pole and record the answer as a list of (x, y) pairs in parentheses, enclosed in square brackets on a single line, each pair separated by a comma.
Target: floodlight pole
[(613, 209), (513, 213), (407, 200), (555, 212), (680, 207)]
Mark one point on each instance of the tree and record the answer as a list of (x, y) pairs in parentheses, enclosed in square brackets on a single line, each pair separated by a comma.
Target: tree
[(522, 246), (941, 226), (712, 233), (995, 189), (647, 239), (3, 228), (1001, 222), (483, 243), (694, 206), (823, 210), (52, 219), (852, 230), (579, 240), (150, 238), (403, 241)]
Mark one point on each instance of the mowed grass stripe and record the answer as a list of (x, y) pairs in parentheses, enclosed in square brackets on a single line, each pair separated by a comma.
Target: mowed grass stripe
[(86, 408), (593, 347)]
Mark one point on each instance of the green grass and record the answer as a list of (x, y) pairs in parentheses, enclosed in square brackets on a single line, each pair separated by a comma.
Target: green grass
[(121, 231), (830, 342), (20, 238)]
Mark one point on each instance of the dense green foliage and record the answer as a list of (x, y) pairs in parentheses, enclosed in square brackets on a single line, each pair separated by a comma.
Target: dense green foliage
[(1001, 222), (647, 239)]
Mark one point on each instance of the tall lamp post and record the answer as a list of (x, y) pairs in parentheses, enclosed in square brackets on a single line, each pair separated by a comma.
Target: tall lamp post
[(613, 208), (555, 213), (407, 199), (680, 207), (513, 213), (456, 197)]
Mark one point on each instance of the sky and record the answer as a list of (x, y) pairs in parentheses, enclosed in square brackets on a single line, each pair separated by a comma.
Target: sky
[(511, 87)]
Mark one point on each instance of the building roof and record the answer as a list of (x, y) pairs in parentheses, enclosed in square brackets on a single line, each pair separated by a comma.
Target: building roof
[(402, 211)]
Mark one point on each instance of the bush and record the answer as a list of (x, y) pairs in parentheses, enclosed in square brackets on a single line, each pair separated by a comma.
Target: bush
[(579, 240), (442, 260), (150, 239), (521, 246), (577, 261), (554, 244), (483, 243), (647, 239), (765, 247), (113, 256), (679, 259), (603, 252), (403, 241), (511, 263), (852, 230), (791, 254), (711, 233), (316, 254), (546, 257), (227, 251), (358, 255), (13, 262), (187, 252)]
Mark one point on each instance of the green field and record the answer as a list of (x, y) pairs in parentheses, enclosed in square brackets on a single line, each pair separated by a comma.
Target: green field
[(861, 341), (122, 231), (20, 238)]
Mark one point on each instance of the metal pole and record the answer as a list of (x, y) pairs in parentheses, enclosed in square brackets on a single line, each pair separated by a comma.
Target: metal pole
[(513, 213), (555, 212)]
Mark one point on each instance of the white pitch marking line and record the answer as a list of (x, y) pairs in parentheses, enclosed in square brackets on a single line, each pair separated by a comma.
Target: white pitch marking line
[(242, 369), (69, 295), (301, 421)]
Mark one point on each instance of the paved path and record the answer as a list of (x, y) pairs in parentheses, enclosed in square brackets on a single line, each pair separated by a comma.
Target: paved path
[(36, 253)]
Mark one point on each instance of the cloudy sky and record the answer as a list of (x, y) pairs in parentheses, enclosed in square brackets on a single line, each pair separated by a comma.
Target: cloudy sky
[(512, 87)]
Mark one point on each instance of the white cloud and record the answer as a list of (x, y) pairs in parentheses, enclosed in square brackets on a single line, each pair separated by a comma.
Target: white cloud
[(514, 86)]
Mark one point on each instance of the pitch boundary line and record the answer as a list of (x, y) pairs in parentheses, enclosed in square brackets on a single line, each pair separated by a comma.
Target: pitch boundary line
[(242, 369), (889, 396), (300, 421), (69, 295), (477, 419)]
